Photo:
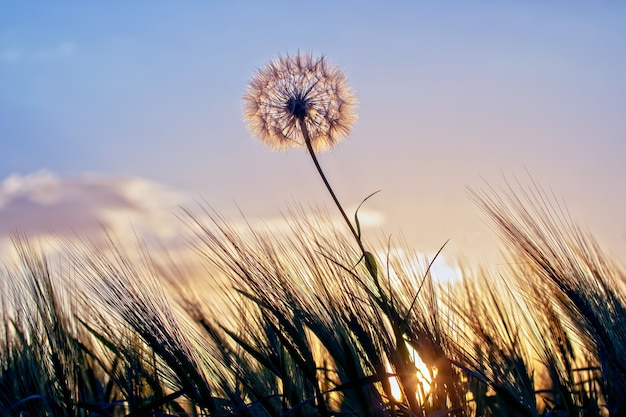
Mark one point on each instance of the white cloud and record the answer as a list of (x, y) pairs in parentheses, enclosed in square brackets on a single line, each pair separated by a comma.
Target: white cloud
[(54, 210), (368, 219), (44, 204)]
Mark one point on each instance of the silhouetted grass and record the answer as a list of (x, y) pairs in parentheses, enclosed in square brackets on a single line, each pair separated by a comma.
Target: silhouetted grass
[(297, 323)]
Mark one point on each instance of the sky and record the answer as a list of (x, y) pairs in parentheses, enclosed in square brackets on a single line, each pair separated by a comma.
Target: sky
[(117, 113)]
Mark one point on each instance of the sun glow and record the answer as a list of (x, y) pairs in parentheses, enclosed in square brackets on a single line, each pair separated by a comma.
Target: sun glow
[(415, 265), (443, 272), (424, 375)]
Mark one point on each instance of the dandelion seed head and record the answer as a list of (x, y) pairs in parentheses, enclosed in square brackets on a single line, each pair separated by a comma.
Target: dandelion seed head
[(295, 89)]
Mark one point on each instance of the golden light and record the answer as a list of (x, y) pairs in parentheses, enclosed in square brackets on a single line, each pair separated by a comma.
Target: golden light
[(424, 377)]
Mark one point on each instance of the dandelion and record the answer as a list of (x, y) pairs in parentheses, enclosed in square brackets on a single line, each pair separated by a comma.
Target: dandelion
[(297, 100), (300, 100)]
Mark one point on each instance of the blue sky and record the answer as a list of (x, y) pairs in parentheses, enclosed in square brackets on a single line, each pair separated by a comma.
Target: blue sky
[(452, 94)]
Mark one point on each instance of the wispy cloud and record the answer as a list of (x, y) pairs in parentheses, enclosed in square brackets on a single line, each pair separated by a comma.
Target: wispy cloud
[(43, 204), (61, 50), (12, 55), (56, 211)]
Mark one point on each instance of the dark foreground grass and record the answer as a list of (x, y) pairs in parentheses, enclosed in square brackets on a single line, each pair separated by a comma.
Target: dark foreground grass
[(292, 324)]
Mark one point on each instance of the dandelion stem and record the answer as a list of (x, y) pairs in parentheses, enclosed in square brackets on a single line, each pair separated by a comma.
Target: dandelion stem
[(307, 141)]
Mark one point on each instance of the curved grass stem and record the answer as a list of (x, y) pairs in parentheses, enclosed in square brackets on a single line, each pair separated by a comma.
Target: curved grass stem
[(309, 146)]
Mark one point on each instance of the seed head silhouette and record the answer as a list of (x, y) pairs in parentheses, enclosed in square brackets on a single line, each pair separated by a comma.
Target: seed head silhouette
[(296, 98)]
